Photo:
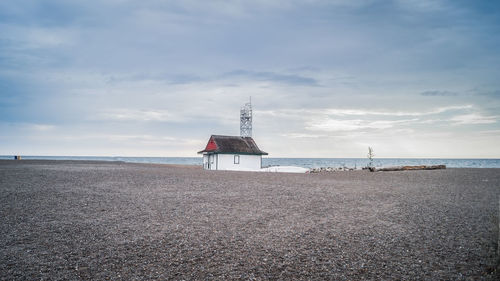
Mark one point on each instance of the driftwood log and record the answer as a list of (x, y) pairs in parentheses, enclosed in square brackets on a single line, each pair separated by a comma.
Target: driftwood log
[(409, 168)]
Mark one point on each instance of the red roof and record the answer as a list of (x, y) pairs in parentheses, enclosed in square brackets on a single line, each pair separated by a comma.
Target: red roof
[(232, 145)]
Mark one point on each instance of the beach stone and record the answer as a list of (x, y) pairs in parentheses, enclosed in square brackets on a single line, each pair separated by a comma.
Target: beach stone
[(72, 220)]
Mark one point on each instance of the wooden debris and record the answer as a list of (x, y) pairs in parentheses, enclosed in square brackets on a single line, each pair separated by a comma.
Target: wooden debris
[(409, 168)]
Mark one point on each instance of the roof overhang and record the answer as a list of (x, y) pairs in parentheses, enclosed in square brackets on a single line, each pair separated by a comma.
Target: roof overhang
[(239, 153)]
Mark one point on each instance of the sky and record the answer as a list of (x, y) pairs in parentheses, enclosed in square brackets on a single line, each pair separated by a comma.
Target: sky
[(409, 78)]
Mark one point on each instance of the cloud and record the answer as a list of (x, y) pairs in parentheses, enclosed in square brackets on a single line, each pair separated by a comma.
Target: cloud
[(365, 120), (185, 78), (435, 93), (333, 125), (136, 115), (290, 79), (490, 132), (302, 135), (487, 93), (359, 112), (43, 127), (474, 119), (289, 113), (169, 78), (422, 5), (23, 38)]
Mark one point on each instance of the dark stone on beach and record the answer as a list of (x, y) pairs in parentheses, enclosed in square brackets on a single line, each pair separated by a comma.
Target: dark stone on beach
[(70, 220)]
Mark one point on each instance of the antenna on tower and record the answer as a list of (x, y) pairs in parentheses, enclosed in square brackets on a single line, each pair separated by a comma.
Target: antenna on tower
[(246, 120)]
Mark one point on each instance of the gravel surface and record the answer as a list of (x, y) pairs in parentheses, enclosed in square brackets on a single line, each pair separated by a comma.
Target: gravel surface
[(65, 220)]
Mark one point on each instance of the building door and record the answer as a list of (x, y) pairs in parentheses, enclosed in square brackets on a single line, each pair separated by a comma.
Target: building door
[(211, 164)]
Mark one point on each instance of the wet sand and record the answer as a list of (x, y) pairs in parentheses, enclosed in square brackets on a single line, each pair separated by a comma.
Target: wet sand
[(65, 220)]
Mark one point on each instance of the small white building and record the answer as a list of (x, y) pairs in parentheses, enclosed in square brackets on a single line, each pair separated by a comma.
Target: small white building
[(232, 153)]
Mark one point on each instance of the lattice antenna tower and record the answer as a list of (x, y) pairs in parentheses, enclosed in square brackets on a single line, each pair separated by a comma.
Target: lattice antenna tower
[(246, 120)]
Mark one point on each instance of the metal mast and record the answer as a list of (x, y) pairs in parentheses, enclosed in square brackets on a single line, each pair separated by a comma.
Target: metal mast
[(246, 120)]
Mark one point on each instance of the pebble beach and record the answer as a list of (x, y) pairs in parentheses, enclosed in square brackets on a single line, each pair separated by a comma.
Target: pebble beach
[(73, 220)]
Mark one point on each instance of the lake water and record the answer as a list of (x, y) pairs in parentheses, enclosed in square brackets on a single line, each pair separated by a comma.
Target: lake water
[(301, 162)]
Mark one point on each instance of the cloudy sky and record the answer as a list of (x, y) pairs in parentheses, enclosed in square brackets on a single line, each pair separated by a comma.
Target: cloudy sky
[(411, 78)]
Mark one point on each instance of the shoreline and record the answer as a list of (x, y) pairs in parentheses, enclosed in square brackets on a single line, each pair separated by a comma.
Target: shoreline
[(310, 163), (65, 161)]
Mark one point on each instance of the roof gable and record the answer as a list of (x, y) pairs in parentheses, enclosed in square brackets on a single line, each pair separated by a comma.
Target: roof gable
[(233, 145), (211, 145)]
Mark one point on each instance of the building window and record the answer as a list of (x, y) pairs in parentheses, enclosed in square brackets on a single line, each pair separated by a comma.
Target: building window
[(236, 159)]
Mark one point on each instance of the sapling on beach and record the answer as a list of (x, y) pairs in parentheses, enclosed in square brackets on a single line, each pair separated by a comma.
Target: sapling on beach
[(370, 156)]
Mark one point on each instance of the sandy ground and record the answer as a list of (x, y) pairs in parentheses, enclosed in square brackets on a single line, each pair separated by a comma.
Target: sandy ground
[(99, 220)]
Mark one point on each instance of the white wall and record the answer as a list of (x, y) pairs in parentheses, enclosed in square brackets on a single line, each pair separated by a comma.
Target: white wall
[(226, 162), (247, 162)]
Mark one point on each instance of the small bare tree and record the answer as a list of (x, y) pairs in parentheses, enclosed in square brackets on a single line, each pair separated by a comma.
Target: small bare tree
[(370, 156)]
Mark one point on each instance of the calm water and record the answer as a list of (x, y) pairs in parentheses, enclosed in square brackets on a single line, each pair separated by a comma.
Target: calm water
[(301, 162)]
